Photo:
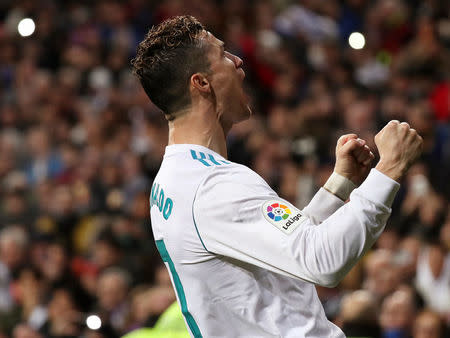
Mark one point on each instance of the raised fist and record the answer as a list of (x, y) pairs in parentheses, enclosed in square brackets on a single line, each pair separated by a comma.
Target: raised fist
[(353, 158), (399, 146)]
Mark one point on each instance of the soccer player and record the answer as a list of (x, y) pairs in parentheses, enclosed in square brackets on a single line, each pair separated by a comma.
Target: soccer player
[(244, 261)]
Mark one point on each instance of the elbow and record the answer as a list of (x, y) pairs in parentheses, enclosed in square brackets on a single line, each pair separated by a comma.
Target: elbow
[(328, 272), (331, 277), (325, 259)]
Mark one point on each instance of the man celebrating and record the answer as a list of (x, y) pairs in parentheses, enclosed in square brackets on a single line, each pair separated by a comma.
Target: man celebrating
[(242, 260)]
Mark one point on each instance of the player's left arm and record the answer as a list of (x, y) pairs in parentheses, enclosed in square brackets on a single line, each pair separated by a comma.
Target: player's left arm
[(239, 217), (353, 161)]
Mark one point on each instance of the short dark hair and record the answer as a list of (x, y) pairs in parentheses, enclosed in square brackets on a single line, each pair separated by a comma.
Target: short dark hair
[(170, 53)]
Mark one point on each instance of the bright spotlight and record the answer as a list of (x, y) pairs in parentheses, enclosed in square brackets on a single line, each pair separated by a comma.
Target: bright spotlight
[(93, 322), (26, 27), (356, 40)]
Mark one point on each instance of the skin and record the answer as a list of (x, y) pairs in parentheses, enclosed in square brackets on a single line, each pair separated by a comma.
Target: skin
[(218, 101), (399, 146), (427, 325)]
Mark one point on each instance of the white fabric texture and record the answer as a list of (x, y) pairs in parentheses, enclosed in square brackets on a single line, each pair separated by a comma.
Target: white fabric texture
[(340, 186), (244, 275)]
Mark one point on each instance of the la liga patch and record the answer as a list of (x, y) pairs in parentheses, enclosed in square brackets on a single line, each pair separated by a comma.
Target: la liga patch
[(282, 215)]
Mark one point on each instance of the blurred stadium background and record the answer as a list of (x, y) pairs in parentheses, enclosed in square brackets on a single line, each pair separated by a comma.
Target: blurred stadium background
[(80, 144)]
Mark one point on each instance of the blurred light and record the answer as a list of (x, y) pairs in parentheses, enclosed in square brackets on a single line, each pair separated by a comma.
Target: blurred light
[(356, 40), (93, 322), (26, 27)]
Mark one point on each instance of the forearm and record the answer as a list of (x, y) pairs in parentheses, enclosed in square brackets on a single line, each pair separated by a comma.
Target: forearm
[(330, 250), (328, 199), (339, 186)]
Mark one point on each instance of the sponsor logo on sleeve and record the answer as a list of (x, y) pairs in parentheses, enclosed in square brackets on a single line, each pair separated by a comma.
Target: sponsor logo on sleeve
[(282, 215)]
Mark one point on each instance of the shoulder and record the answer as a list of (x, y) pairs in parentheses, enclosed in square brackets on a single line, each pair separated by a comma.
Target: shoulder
[(233, 183), (233, 173), (185, 156), (208, 173)]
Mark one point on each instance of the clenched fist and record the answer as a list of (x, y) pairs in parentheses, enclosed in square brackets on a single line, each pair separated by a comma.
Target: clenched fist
[(353, 158), (398, 146)]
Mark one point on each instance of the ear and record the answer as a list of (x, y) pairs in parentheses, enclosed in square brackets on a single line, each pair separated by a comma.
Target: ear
[(200, 82)]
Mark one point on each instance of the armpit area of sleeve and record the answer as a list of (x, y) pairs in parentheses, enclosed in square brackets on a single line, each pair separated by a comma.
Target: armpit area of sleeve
[(379, 188)]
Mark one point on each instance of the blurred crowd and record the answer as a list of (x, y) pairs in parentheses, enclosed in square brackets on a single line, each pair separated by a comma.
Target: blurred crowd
[(80, 144)]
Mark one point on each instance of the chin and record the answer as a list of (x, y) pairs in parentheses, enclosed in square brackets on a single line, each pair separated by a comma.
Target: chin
[(246, 113), (249, 111), (245, 105)]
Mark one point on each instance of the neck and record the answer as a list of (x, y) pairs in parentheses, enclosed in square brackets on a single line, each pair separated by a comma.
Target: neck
[(195, 127)]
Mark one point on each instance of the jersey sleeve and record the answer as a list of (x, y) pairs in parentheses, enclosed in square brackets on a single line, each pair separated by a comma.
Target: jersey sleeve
[(322, 206), (246, 221)]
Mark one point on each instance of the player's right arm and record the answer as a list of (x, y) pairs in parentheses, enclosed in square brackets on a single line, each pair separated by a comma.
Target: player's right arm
[(353, 163), (231, 218)]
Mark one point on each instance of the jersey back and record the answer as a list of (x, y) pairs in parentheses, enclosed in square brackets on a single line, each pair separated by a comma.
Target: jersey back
[(222, 296)]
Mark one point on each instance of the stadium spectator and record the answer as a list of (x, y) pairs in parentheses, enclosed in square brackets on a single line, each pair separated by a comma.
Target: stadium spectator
[(358, 315), (112, 290), (428, 324), (397, 313)]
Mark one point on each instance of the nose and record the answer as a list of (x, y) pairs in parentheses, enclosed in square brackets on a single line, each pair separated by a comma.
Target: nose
[(236, 59)]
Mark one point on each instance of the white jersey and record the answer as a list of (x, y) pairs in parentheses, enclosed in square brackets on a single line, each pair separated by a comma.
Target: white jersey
[(242, 260)]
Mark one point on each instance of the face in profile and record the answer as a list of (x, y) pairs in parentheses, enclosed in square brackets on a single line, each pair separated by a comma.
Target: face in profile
[(226, 79)]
